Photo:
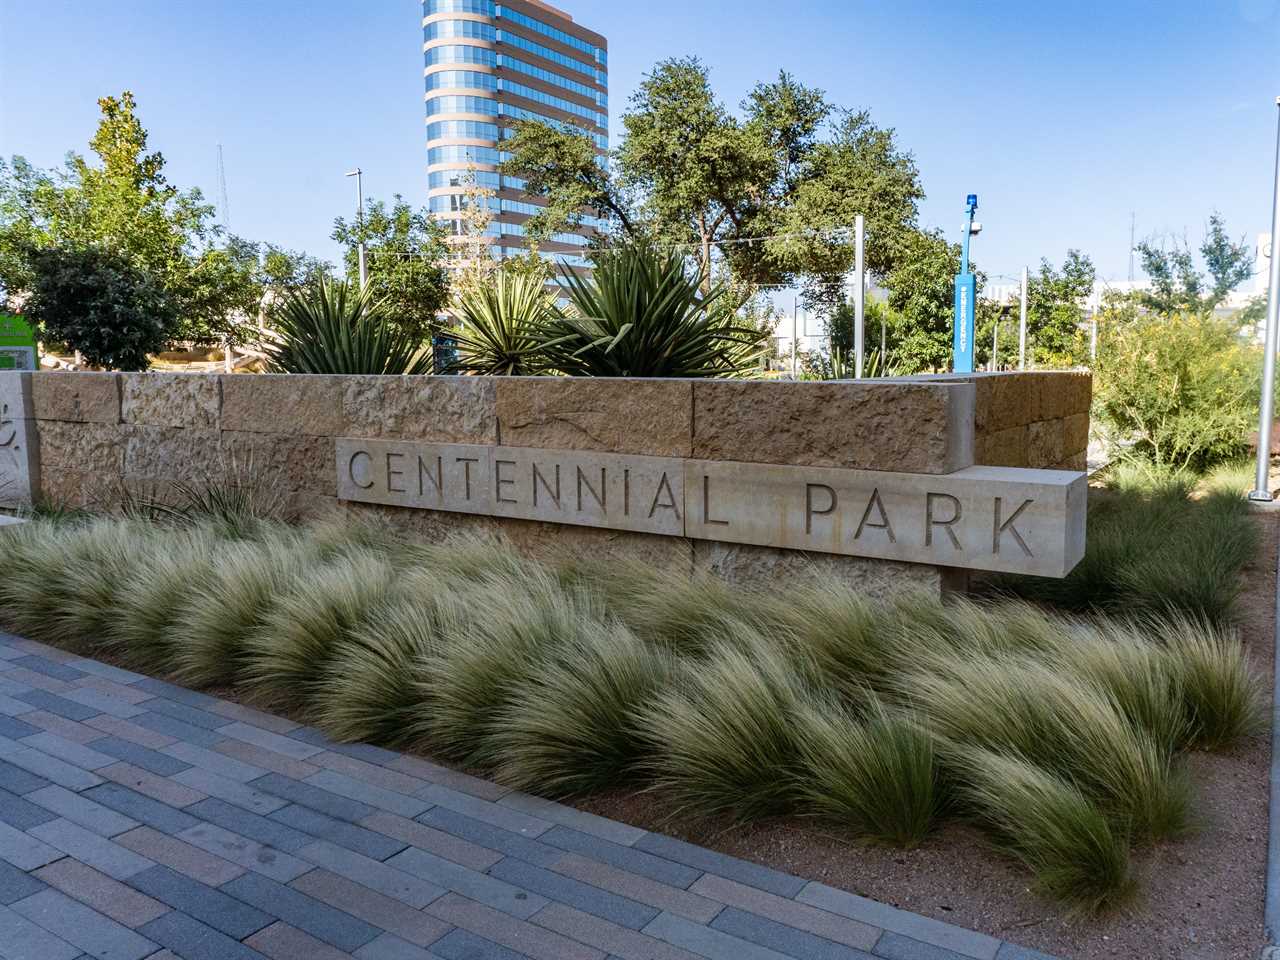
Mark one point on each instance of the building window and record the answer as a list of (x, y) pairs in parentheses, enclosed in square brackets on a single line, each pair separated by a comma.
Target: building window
[(469, 79), (460, 6), (461, 54), (468, 129), (452, 103), (469, 29)]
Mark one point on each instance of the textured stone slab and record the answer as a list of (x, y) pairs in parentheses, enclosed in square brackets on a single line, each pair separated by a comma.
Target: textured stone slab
[(787, 940), (334, 927), (84, 926), (79, 809), (76, 397), (189, 860), (109, 897), (641, 889), (190, 939), (707, 942), (25, 940), (170, 399), (494, 925), (439, 409), (376, 908), (283, 403)]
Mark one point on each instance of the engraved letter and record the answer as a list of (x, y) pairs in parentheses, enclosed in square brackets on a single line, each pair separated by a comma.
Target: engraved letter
[(999, 528), (884, 523), (670, 504), (466, 472), (930, 523), (626, 492), (599, 495), (351, 469), (555, 494), (499, 480), (706, 503), (809, 511), (392, 473), (437, 481)]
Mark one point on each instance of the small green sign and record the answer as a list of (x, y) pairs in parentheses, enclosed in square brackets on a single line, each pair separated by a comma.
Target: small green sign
[(18, 349)]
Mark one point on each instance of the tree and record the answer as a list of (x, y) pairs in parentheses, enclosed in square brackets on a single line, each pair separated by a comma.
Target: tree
[(1055, 308), (922, 302), (1178, 285), (100, 304), (406, 255)]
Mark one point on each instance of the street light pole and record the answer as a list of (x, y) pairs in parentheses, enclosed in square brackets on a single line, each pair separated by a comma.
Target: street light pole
[(859, 294), (1262, 486), (1022, 324), (364, 269)]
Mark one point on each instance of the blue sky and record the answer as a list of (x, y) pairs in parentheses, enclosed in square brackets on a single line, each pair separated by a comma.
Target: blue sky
[(1063, 117)]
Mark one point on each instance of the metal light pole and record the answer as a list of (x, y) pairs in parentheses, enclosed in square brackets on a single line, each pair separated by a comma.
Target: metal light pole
[(966, 292), (995, 342), (364, 269), (1262, 486), (1022, 324), (859, 293)]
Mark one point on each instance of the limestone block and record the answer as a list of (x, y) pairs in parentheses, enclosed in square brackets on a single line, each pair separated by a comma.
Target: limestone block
[(439, 409), (19, 442), (427, 526), (1076, 430), (558, 544), (1046, 443), (170, 399), (283, 403), (76, 396), (1005, 400), (651, 417), (1003, 448), (1064, 393), (769, 567), (66, 488), (171, 453), (908, 426), (292, 464), (1076, 461), (89, 449)]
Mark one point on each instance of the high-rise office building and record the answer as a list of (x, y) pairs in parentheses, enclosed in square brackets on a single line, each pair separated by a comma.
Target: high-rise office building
[(489, 64)]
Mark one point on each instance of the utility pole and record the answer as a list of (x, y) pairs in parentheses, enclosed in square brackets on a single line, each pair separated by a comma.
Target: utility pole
[(795, 336), (995, 342), (859, 293), (364, 270), (1262, 486), (966, 291), (1022, 324)]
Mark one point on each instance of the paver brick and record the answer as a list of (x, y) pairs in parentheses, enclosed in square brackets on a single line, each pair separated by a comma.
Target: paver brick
[(178, 729), (72, 730), (171, 691), (127, 730), (618, 909), (88, 847), (334, 927), (16, 884), (192, 940), (501, 928), (638, 888), (276, 743), (317, 798), (368, 842), (103, 702), (150, 760), (59, 705), (238, 711), (624, 857), (105, 670), (480, 887), (76, 754), (142, 808), (852, 933), (752, 874), (258, 857), (445, 777), (365, 772), (84, 927), (20, 813), (484, 810), (382, 911), (26, 677), (273, 833), (621, 943), (913, 926), (158, 788), (390, 947), (232, 791), (189, 860), (25, 940), (50, 768), (894, 946), (706, 942), (374, 874), (580, 820), (465, 945), (12, 707), (361, 751), (186, 713), (784, 939), (23, 850), (283, 942), (439, 842), (118, 691), (491, 837), (1010, 951), (221, 911), (17, 780), (50, 668), (15, 729), (266, 759), (109, 897), (368, 793), (214, 761)]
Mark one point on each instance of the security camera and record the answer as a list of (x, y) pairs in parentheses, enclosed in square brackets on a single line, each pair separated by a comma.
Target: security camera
[(975, 228)]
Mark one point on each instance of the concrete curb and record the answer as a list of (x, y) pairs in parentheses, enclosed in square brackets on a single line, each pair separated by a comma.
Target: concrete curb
[(1271, 911)]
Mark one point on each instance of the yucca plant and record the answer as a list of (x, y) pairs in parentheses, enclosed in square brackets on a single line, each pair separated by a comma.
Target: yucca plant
[(334, 327), (502, 325), (643, 314)]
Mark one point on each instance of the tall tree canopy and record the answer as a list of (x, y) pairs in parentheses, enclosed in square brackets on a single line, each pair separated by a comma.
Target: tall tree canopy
[(1178, 284)]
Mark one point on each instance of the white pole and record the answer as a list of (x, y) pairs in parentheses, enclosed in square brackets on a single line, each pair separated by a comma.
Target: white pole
[(364, 270), (795, 336), (1022, 324), (1093, 339), (859, 293), (1262, 486), (995, 343)]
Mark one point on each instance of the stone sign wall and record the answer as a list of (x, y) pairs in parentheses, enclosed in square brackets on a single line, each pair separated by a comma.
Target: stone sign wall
[(99, 433), (19, 447)]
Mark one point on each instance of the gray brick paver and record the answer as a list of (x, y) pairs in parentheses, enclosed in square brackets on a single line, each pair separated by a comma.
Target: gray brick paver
[(335, 927), (589, 823), (187, 859), (264, 830), (710, 861), (620, 942), (63, 707), (178, 729), (77, 754), (537, 942), (171, 691), (894, 946), (512, 898), (25, 851), (142, 808), (784, 939), (375, 796), (266, 759), (105, 670), (465, 945), (117, 690), (16, 884), (190, 939), (146, 758), (852, 933), (283, 942), (84, 926), (638, 888), (439, 842), (103, 702), (454, 779), (78, 808), (50, 668), (485, 810), (128, 730), (276, 743), (219, 910), (707, 942), (317, 798), (373, 907), (238, 711), (374, 874), (73, 730), (365, 772), (10, 706), (158, 788), (585, 897), (50, 768), (25, 940), (109, 897), (213, 761), (14, 677), (187, 714), (88, 847), (390, 947), (17, 780), (16, 729), (379, 846), (232, 791), (624, 857), (258, 857), (21, 813), (491, 837)]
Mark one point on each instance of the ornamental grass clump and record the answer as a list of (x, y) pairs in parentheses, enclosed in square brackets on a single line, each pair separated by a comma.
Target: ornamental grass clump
[(1223, 701)]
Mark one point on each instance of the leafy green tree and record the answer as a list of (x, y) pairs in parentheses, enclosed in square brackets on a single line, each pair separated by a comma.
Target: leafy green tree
[(922, 302), (407, 257), (1055, 309), (100, 304), (1179, 285)]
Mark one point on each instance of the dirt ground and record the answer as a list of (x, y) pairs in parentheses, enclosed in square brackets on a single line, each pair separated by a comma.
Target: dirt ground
[(1200, 898)]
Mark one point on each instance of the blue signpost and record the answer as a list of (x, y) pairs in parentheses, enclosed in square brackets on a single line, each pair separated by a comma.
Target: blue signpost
[(966, 292)]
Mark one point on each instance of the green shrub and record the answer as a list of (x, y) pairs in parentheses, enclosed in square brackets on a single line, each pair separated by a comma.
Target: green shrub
[(502, 325), (1183, 388), (1222, 700), (334, 327)]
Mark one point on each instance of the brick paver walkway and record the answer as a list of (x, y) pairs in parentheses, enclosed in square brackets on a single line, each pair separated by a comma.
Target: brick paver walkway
[(139, 819)]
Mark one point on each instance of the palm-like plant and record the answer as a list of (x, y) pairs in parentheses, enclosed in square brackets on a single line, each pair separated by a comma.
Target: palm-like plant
[(503, 325), (643, 315), (334, 327)]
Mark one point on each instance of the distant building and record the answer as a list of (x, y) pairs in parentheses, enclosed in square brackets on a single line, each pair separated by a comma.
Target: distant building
[(489, 64)]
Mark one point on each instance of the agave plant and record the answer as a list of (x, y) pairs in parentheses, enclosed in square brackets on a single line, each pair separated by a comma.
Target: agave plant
[(643, 315), (334, 327), (503, 325)]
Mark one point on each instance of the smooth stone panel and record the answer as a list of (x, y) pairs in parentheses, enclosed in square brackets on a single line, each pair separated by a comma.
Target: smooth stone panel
[(19, 441)]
